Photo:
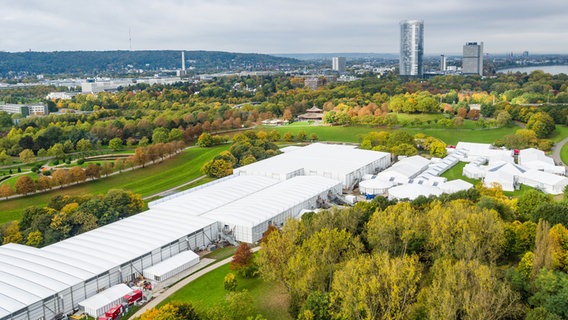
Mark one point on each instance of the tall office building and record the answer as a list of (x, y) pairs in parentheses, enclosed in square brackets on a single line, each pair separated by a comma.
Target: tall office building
[(442, 63), (472, 58), (338, 64), (411, 47)]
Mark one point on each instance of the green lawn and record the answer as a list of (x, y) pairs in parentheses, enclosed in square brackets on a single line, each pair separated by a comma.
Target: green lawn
[(207, 291), (560, 133), (146, 181), (456, 173), (355, 133)]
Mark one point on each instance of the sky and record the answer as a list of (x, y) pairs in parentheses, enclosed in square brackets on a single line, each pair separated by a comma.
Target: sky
[(282, 26)]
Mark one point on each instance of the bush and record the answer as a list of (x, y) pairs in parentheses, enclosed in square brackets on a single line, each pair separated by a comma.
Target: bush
[(80, 161)]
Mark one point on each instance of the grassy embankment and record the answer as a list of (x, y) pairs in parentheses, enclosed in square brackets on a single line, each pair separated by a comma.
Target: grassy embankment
[(270, 299), (146, 181)]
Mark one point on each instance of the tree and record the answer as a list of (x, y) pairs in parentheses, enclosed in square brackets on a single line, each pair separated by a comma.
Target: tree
[(542, 124), (56, 151), (217, 168), (25, 185), (230, 282), (11, 232), (6, 190), (551, 292), (140, 156), (438, 149), (288, 136), (204, 140), (27, 156), (77, 174), (93, 171), (543, 248), (468, 290), (84, 146), (35, 239), (529, 201), (115, 144), (160, 135), (503, 118), (5, 159), (376, 287), (243, 262), (107, 168), (61, 177), (43, 183), (302, 136)]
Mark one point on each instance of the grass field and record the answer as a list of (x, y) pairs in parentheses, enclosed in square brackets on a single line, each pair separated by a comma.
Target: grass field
[(456, 173), (207, 291), (355, 133), (146, 181)]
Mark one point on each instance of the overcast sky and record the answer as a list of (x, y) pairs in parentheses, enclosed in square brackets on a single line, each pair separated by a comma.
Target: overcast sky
[(282, 26)]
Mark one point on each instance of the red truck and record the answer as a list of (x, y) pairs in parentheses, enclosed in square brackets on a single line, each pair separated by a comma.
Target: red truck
[(114, 313), (133, 297)]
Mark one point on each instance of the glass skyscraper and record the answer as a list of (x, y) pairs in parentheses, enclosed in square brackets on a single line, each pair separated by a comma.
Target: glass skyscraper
[(411, 47)]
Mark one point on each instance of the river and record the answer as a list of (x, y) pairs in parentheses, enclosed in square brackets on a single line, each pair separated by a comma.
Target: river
[(548, 69)]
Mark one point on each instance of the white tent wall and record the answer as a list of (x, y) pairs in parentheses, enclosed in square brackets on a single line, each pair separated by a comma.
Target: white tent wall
[(98, 304), (172, 266)]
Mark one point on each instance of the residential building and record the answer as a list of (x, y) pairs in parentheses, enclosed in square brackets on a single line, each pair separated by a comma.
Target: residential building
[(443, 63), (411, 48), (472, 58), (338, 64), (25, 110), (314, 82)]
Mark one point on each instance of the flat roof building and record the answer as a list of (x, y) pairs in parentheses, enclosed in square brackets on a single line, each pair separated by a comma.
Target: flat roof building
[(411, 48), (473, 58)]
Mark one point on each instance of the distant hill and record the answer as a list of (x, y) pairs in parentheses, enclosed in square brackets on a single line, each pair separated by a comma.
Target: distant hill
[(100, 62), (328, 56)]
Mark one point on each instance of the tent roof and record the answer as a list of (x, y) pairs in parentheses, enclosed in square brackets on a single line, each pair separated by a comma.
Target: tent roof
[(172, 263), (266, 204), (455, 185), (544, 177), (105, 297), (413, 191)]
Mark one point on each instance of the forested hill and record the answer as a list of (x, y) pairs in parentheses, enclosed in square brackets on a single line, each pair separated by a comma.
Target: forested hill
[(96, 62)]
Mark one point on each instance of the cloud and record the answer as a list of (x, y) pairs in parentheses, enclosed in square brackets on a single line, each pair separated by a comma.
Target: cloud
[(281, 26)]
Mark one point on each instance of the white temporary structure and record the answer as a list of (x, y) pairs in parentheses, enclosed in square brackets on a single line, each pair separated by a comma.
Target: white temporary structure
[(454, 186), (504, 174), (404, 169), (547, 182), (474, 171), (413, 191), (248, 218), (340, 162), (172, 266), (534, 159), (100, 303), (374, 186)]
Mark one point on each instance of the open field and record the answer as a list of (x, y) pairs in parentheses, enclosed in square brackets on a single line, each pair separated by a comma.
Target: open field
[(146, 181), (207, 291), (355, 133)]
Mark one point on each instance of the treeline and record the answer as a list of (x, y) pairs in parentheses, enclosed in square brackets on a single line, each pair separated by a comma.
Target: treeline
[(471, 255), (400, 142), (247, 147), (67, 216), (49, 179)]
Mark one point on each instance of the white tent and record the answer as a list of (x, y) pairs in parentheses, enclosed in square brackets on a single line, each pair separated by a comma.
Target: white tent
[(547, 182), (503, 173), (413, 191), (474, 171), (455, 186), (374, 186), (100, 303), (172, 266)]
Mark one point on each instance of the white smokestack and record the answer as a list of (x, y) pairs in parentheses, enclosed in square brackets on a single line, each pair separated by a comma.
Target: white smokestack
[(183, 60)]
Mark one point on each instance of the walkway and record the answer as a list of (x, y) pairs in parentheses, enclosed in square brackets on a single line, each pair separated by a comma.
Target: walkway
[(556, 152), (169, 291), (172, 190)]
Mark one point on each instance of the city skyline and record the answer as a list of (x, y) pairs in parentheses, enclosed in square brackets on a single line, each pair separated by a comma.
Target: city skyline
[(279, 26)]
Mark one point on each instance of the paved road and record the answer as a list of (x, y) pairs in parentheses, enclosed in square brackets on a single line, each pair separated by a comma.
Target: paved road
[(556, 152), (155, 301)]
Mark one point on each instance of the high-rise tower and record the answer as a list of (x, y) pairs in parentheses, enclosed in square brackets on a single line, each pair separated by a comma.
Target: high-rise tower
[(472, 62), (338, 64), (411, 47)]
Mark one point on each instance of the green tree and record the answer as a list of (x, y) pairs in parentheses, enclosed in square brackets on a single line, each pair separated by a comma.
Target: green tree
[(56, 151), (11, 232), (217, 168), (84, 146), (115, 144), (204, 140), (551, 292), (230, 282), (542, 124), (160, 135), (27, 156), (376, 287)]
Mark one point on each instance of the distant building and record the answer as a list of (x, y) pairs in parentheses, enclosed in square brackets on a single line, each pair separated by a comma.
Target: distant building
[(25, 109), (61, 95), (338, 64), (314, 82), (472, 58), (411, 48), (312, 114), (443, 63)]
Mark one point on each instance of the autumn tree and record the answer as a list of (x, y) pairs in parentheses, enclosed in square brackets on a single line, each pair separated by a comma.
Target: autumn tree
[(11, 233), (230, 282), (468, 290), (243, 262), (27, 156), (25, 185), (376, 287), (6, 190), (61, 177), (77, 174), (92, 171)]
